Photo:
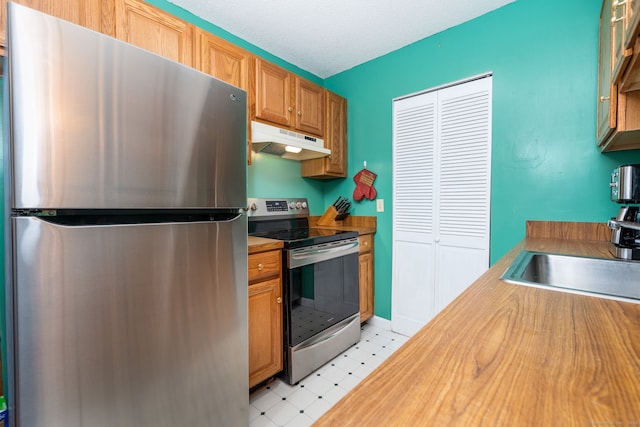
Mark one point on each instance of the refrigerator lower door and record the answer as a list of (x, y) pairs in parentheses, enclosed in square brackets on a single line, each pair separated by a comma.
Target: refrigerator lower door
[(130, 325)]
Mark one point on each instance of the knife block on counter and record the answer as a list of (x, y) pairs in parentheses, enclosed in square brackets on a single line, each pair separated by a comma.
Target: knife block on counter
[(331, 217)]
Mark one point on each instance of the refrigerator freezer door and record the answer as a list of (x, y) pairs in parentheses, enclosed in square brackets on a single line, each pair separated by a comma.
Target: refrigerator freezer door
[(131, 325), (97, 123)]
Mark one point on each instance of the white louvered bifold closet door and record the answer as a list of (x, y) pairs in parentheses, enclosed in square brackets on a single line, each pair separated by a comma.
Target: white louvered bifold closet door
[(442, 163), (415, 129)]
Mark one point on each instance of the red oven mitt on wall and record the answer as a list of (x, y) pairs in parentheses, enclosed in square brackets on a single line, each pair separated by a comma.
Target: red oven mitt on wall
[(364, 185)]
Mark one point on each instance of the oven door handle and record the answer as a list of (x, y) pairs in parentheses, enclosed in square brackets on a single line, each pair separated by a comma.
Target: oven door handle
[(305, 256)]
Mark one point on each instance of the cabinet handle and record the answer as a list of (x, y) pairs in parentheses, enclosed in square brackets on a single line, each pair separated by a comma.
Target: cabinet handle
[(260, 267), (299, 113), (615, 20), (604, 98), (290, 109), (279, 300), (366, 243)]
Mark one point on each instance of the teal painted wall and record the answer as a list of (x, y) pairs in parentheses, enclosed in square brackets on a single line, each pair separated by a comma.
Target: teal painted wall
[(271, 176), (545, 164)]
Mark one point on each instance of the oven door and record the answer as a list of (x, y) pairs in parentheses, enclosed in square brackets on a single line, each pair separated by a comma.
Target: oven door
[(322, 288)]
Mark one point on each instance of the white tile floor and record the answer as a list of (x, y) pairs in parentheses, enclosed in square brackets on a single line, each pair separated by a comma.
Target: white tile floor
[(279, 404)]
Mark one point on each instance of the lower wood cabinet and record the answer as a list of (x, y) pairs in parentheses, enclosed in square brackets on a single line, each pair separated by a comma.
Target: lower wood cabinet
[(265, 315), (366, 276)]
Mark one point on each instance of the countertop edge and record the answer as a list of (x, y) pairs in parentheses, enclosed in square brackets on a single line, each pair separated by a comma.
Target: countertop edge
[(506, 354), (261, 244)]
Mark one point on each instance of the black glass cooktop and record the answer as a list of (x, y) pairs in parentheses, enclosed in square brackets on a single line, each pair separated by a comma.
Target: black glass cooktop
[(299, 237), (296, 233)]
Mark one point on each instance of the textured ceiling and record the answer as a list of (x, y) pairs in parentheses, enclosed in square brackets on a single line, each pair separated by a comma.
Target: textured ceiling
[(329, 36)]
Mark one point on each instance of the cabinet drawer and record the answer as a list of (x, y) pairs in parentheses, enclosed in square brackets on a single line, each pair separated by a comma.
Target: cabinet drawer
[(366, 243), (263, 265)]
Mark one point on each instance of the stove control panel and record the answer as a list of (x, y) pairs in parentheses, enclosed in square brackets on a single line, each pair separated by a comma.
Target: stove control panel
[(269, 208)]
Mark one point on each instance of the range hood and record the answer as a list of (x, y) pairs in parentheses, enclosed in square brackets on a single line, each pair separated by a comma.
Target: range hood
[(285, 143)]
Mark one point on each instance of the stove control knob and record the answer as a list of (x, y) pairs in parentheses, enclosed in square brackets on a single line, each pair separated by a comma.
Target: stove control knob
[(292, 205), (298, 205), (304, 205), (253, 207)]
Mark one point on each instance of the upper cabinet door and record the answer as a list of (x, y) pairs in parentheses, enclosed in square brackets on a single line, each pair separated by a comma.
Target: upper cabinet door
[(309, 107), (335, 139), (619, 23), (273, 93), (149, 28), (336, 134), (97, 15), (607, 100), (94, 14), (285, 99), (632, 23), (222, 59)]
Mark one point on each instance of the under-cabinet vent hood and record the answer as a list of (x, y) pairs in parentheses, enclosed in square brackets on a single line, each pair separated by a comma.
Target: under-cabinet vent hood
[(285, 143)]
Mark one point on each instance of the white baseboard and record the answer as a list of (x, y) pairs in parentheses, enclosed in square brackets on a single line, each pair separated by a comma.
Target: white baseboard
[(379, 322), (382, 323)]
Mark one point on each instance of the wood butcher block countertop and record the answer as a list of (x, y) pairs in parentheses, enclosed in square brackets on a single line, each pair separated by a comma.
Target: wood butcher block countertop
[(509, 355), (260, 244)]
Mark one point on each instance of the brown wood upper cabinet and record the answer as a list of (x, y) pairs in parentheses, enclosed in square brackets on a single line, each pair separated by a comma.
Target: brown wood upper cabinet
[(95, 14), (607, 92), (632, 23), (222, 60), (335, 139), (227, 62), (621, 54), (309, 107), (631, 78), (152, 29), (285, 99), (618, 123), (133, 21)]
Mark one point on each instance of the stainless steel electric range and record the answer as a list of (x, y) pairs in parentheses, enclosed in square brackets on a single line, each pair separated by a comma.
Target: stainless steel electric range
[(320, 284)]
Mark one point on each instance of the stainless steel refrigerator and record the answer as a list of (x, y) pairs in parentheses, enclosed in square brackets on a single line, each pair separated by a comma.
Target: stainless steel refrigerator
[(126, 248)]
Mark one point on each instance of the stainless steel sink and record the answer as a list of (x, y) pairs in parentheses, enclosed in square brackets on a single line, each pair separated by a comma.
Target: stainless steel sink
[(593, 276)]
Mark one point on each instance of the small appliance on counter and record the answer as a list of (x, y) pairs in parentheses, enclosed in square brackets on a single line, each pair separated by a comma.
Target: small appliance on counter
[(625, 227)]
